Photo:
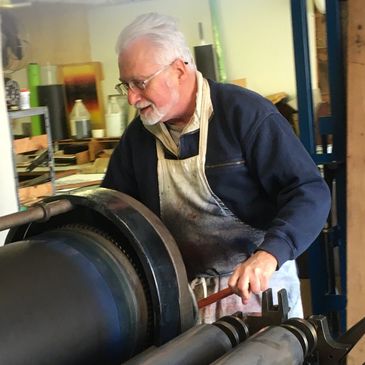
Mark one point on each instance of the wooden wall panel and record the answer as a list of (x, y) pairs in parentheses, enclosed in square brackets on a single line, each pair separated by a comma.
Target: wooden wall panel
[(356, 172)]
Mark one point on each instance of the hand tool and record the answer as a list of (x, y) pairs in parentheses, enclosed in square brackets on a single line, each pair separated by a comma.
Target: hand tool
[(215, 297)]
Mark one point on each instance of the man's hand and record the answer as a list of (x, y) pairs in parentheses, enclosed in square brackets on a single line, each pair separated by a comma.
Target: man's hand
[(253, 275)]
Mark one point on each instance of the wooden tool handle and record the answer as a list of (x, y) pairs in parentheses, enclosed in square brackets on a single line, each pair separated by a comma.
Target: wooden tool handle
[(215, 297)]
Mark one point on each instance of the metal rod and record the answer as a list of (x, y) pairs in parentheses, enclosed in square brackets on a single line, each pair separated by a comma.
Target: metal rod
[(222, 76), (200, 345), (273, 345), (215, 297), (39, 212), (303, 74)]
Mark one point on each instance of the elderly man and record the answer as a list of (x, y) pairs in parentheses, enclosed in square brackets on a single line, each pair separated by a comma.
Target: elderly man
[(220, 166)]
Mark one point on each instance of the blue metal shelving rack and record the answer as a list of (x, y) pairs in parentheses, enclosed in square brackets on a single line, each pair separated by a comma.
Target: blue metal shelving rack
[(327, 255)]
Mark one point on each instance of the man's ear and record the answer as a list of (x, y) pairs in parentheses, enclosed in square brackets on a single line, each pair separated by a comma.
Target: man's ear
[(181, 67)]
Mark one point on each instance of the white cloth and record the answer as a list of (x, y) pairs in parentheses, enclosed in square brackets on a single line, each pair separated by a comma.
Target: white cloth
[(286, 277)]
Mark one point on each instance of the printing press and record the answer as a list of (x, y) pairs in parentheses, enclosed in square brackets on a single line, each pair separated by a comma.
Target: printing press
[(95, 278)]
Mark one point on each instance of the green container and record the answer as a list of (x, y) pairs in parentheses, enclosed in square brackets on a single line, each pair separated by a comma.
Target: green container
[(34, 79)]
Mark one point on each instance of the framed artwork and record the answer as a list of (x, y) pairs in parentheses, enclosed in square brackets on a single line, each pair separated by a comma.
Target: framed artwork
[(83, 81)]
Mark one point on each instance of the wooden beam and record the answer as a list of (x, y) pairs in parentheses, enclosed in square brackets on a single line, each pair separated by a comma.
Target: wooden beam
[(356, 171)]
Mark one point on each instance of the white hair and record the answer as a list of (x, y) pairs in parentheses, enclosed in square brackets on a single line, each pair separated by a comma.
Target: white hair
[(162, 31)]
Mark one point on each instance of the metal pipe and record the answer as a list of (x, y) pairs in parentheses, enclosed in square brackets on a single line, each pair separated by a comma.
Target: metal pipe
[(198, 346), (273, 345), (287, 344), (39, 212)]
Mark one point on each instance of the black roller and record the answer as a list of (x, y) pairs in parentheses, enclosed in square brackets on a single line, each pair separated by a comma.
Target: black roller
[(287, 344), (271, 346), (205, 61), (94, 285), (71, 298), (198, 346), (54, 97)]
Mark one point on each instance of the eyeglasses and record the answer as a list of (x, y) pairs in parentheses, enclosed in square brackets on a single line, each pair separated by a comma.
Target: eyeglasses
[(123, 87)]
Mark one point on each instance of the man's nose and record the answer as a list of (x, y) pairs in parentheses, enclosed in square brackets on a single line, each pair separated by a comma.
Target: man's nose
[(134, 96)]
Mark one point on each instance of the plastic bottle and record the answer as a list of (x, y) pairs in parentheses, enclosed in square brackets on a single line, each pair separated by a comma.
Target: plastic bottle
[(49, 74), (113, 118), (24, 101), (80, 120)]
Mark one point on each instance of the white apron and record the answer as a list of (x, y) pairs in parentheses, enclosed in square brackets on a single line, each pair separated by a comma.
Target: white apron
[(211, 238)]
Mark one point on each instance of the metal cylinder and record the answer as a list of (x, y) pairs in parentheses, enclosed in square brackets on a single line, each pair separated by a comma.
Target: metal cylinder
[(273, 345), (95, 284), (38, 212), (198, 346), (205, 61), (69, 297)]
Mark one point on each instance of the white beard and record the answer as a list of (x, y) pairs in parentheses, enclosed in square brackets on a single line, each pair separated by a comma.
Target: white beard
[(153, 117), (157, 114)]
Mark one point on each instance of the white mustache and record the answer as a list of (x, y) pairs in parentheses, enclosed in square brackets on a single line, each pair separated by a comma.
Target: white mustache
[(142, 105)]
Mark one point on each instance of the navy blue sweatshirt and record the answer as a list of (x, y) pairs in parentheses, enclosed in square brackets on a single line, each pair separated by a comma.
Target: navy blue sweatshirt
[(255, 164)]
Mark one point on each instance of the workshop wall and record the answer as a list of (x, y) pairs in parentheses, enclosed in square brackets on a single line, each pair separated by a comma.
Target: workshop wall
[(52, 34), (107, 22), (256, 38), (257, 43), (55, 33)]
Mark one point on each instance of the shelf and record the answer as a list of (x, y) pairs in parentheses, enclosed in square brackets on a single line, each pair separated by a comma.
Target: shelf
[(35, 190), (40, 110), (94, 145), (28, 144)]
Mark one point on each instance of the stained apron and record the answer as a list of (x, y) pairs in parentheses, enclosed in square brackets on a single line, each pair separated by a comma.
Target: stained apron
[(212, 240)]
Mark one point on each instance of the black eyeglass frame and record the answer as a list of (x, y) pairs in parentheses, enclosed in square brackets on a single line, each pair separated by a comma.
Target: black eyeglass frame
[(123, 87)]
